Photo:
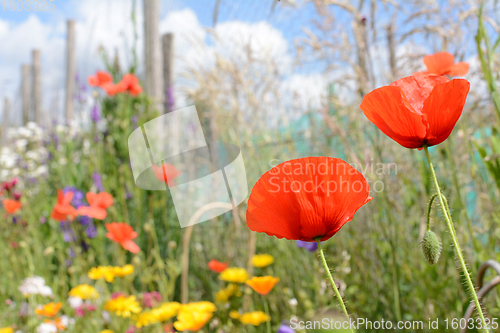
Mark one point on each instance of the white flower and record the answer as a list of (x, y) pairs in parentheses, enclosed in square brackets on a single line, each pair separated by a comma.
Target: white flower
[(21, 144), (75, 302), (35, 286), (293, 302), (46, 328)]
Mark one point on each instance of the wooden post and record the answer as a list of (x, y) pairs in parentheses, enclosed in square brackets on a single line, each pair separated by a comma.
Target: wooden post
[(25, 92), (37, 87), (70, 70), (168, 69), (5, 122), (153, 84)]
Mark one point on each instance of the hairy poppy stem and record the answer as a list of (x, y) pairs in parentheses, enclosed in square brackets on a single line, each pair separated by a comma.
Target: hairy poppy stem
[(268, 322), (458, 250), (334, 286)]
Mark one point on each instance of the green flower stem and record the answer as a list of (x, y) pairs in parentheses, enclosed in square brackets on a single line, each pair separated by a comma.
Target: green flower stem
[(334, 286), (266, 308), (429, 212), (458, 250)]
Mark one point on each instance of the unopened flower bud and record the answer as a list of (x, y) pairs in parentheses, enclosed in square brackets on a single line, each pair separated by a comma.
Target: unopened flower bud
[(431, 247)]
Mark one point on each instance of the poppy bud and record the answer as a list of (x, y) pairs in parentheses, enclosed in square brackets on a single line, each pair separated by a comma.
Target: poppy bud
[(431, 247)]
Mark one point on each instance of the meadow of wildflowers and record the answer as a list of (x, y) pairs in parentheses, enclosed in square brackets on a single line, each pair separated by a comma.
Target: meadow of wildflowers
[(327, 234)]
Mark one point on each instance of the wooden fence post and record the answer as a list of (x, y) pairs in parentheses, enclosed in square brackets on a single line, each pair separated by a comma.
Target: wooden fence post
[(70, 70), (168, 71), (5, 122), (25, 92), (37, 87), (153, 84)]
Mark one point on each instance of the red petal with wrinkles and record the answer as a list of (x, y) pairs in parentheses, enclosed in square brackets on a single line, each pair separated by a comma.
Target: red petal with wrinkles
[(443, 108), (306, 198), (392, 113)]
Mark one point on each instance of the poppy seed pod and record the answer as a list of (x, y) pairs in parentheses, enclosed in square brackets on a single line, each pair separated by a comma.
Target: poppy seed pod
[(431, 247)]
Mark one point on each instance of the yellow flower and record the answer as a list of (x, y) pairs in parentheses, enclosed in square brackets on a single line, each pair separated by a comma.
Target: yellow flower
[(234, 314), (225, 294), (192, 320), (166, 311), (123, 271), (49, 310), (145, 318), (193, 316), (255, 318), (123, 306), (199, 307), (262, 260), (84, 291), (100, 272), (160, 314), (106, 331), (234, 274), (6, 330)]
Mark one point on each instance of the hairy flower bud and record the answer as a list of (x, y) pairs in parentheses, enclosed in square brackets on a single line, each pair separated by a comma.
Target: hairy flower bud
[(431, 247)]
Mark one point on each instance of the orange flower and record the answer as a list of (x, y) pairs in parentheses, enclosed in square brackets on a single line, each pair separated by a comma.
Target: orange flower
[(98, 205), (59, 323), (11, 206), (217, 266), (123, 234), (167, 174), (99, 79), (63, 209), (441, 63), (263, 284), (49, 310)]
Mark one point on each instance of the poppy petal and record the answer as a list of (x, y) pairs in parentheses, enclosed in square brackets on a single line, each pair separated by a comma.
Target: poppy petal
[(443, 108), (104, 200), (306, 198), (130, 246), (90, 197), (458, 69), (391, 112), (436, 62)]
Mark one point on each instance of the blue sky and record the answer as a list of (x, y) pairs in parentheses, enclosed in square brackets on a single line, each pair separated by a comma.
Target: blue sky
[(107, 23)]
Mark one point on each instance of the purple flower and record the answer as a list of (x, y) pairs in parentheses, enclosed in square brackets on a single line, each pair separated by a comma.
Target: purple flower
[(94, 114), (134, 121), (309, 246), (68, 234), (78, 196), (91, 231), (98, 182), (170, 98), (284, 328)]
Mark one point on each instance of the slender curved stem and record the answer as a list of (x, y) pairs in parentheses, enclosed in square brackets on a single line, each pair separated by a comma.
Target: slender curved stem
[(334, 286), (458, 250), (429, 211)]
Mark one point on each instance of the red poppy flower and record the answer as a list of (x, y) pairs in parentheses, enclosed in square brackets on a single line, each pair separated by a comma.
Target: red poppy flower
[(63, 209), (130, 83), (98, 205), (123, 234), (111, 89), (306, 198), (442, 63), (417, 110), (99, 79), (11, 206), (216, 266), (167, 175)]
